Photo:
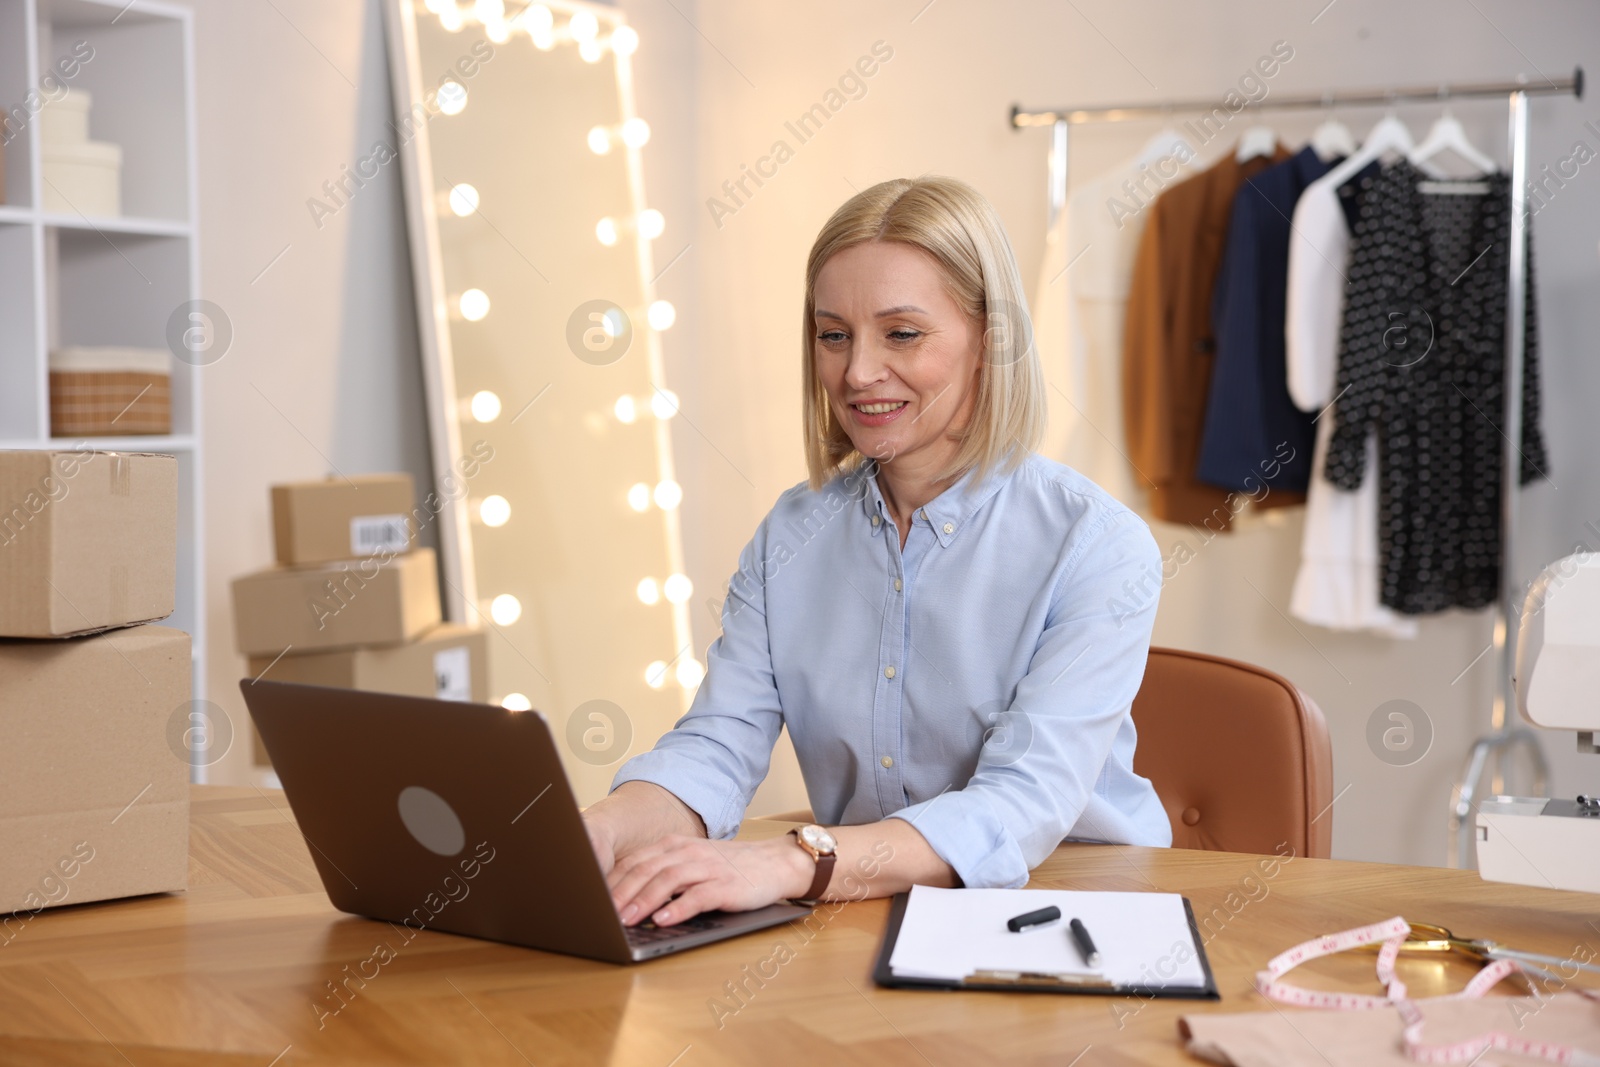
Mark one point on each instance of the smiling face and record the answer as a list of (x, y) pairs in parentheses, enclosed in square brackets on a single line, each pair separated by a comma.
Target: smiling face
[(897, 356)]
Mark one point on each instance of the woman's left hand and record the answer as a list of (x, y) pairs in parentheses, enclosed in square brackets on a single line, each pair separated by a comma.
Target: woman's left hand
[(705, 875)]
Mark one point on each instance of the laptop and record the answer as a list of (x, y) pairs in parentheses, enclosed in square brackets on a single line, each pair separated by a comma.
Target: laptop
[(443, 815)]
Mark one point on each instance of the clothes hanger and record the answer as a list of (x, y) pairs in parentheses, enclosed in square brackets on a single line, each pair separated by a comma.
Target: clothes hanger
[(1165, 142), (1448, 135), (1388, 136), (1332, 140), (1256, 141)]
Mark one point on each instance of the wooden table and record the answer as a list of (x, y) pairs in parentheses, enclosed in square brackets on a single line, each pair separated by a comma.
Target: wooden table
[(238, 970)]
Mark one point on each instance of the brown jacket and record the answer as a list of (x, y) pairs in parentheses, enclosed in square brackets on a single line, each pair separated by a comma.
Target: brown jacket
[(1168, 347)]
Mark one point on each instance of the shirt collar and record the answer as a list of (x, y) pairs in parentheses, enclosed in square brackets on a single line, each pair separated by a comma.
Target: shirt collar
[(946, 514)]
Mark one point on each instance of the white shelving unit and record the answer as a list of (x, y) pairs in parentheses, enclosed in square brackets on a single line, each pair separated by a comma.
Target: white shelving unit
[(66, 279)]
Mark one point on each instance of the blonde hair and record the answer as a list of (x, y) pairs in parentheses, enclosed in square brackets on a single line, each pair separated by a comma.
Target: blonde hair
[(952, 222)]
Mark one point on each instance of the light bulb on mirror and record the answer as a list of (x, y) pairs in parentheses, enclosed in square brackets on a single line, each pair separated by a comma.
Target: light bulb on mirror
[(678, 588), (543, 39), (635, 133), (651, 223), (655, 675), (436, 7), (648, 591), (639, 497), (450, 20), (606, 231), (516, 702), (505, 609), (484, 405), (664, 404), (474, 305), (661, 315), (668, 495), (452, 96), (494, 510), (690, 672), (497, 31), (537, 17), (599, 140), (583, 26), (590, 51), (626, 410), (489, 10), (624, 40), (463, 199)]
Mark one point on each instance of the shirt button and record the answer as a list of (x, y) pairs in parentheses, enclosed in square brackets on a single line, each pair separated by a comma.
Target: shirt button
[(922, 513), (949, 527), (897, 585), (874, 520), (887, 761), (888, 672)]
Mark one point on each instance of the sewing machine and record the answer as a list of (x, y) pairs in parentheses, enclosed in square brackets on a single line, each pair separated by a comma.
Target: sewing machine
[(1553, 843)]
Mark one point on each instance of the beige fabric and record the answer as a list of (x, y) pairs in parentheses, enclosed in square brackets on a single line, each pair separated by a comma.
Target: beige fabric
[(1297, 1037)]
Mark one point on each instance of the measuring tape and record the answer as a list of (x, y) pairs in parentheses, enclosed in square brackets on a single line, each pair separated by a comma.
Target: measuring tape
[(1393, 933)]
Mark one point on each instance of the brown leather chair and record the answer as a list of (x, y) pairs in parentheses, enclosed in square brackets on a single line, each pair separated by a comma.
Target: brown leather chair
[(1239, 757)]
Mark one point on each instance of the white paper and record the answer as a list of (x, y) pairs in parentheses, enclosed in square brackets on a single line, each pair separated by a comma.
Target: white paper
[(1143, 938)]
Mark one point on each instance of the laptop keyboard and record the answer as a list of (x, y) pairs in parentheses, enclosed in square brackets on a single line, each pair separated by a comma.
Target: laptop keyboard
[(648, 933)]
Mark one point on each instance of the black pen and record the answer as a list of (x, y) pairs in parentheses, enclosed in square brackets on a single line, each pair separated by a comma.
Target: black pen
[(1033, 918), (1085, 943)]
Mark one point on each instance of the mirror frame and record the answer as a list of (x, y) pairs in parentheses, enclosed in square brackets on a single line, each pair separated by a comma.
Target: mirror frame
[(444, 404)]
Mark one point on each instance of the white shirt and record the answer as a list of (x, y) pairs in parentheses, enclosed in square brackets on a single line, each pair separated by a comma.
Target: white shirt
[(1337, 585), (1078, 313)]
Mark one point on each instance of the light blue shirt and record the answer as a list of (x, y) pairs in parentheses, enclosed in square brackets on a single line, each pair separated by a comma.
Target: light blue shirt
[(977, 684)]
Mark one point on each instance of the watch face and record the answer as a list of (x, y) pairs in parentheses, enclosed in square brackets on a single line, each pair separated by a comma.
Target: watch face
[(819, 838)]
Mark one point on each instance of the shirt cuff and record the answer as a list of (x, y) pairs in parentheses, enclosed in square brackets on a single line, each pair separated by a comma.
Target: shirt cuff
[(716, 800), (965, 832)]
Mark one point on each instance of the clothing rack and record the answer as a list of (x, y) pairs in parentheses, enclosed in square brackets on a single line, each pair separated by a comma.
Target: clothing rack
[(1489, 752)]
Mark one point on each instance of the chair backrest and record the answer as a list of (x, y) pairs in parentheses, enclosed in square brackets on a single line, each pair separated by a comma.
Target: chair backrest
[(1239, 757)]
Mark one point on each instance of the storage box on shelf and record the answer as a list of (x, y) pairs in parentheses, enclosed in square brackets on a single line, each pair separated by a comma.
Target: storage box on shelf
[(103, 390), (80, 176)]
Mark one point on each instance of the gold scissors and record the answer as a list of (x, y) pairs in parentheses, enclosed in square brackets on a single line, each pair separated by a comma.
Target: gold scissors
[(1428, 938)]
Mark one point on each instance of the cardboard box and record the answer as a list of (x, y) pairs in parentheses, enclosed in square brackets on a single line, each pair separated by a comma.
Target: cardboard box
[(342, 518), (449, 662), (88, 540), (94, 775), (372, 601)]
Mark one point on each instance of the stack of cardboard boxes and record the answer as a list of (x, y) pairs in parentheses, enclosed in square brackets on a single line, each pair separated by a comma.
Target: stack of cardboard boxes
[(351, 603), (94, 769)]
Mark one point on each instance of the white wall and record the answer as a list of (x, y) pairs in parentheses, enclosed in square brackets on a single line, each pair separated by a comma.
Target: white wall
[(326, 333), (323, 373), (940, 106)]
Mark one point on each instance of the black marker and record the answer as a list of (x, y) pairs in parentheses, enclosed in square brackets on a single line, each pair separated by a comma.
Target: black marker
[(1085, 943), (1033, 918)]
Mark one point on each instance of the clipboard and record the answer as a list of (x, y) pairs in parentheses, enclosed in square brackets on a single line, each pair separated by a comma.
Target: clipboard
[(1023, 982)]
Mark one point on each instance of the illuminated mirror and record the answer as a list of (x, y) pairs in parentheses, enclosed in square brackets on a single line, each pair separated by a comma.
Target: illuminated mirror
[(531, 240)]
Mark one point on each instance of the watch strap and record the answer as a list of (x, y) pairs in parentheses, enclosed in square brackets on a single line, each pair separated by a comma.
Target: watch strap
[(819, 883)]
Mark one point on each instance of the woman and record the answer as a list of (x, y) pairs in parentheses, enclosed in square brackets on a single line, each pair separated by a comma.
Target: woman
[(952, 627)]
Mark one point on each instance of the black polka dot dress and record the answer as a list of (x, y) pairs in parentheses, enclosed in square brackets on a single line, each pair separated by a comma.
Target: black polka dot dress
[(1421, 362)]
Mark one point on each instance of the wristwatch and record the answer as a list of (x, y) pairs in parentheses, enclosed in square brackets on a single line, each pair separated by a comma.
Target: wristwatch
[(820, 844)]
